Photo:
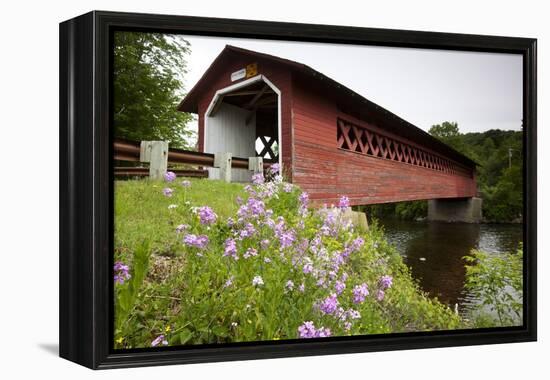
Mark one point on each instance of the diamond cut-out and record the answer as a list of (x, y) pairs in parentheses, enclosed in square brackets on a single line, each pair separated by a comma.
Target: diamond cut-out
[(365, 141)]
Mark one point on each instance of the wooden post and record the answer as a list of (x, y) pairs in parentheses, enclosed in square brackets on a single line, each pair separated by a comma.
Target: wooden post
[(223, 160), (256, 164), (156, 153)]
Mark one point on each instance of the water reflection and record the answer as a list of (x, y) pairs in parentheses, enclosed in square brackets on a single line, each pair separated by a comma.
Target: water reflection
[(434, 252)]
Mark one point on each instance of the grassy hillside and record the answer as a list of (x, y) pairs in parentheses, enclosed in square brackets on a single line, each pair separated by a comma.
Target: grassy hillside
[(142, 211), (260, 267)]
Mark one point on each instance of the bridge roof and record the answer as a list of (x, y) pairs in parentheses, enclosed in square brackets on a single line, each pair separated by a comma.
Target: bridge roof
[(399, 125)]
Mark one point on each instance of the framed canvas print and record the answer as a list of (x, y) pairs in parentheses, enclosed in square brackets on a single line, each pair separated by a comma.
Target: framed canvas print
[(235, 189)]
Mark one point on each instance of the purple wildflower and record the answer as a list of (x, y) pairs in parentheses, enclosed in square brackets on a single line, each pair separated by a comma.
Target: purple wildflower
[(207, 215), (264, 243), (182, 227), (321, 282), (323, 332), (256, 206), (230, 248), (357, 243), (339, 287), (274, 169), (385, 282), (229, 282), (360, 292), (186, 183), (308, 268), (380, 295), (250, 252), (287, 187), (330, 304), (307, 330), (302, 288), (289, 285), (287, 238), (258, 179), (353, 314), (167, 191), (304, 199), (197, 241), (267, 260), (343, 202), (121, 272), (169, 176), (247, 231), (257, 281), (159, 340)]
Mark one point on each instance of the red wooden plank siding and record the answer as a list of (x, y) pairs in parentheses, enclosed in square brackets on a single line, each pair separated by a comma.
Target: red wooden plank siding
[(327, 172)]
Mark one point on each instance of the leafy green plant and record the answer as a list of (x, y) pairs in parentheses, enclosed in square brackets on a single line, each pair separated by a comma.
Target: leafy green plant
[(126, 292), (497, 280)]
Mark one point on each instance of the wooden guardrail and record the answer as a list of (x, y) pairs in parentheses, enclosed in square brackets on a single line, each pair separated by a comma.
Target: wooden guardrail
[(125, 150)]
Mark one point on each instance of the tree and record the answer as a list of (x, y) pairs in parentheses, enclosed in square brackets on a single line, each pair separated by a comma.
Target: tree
[(500, 185), (448, 133), (148, 72), (445, 130)]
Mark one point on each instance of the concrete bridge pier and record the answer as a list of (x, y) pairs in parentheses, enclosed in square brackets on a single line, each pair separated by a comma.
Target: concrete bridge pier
[(467, 210)]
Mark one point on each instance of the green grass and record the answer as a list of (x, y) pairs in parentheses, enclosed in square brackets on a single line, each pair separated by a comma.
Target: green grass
[(141, 211)]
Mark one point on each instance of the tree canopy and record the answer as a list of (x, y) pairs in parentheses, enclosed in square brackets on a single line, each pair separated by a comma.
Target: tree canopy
[(148, 85), (500, 170)]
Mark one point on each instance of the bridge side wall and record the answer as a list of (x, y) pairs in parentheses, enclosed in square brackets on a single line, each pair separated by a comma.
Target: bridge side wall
[(327, 172)]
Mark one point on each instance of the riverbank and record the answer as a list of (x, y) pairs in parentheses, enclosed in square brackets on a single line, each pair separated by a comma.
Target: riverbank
[(434, 251)]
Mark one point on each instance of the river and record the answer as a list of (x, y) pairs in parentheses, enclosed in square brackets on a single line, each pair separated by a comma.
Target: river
[(434, 251)]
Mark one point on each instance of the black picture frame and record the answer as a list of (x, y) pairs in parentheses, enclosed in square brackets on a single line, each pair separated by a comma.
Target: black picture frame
[(86, 187)]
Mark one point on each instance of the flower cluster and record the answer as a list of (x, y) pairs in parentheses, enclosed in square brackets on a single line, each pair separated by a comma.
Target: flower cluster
[(329, 305), (258, 179), (231, 248), (316, 247), (360, 292), (308, 330), (122, 272), (197, 241), (159, 340), (207, 215), (181, 227), (344, 202), (384, 283), (257, 281), (169, 176)]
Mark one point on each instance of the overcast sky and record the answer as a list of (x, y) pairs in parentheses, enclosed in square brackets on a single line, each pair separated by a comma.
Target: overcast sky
[(479, 91)]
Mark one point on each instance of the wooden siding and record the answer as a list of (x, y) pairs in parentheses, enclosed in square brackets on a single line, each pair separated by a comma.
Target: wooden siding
[(327, 172), (226, 134)]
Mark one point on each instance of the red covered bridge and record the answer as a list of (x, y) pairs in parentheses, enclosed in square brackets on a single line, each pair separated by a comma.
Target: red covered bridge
[(329, 140)]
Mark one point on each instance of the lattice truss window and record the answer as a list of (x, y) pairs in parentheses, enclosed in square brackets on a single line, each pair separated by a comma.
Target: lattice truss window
[(267, 147), (361, 140)]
